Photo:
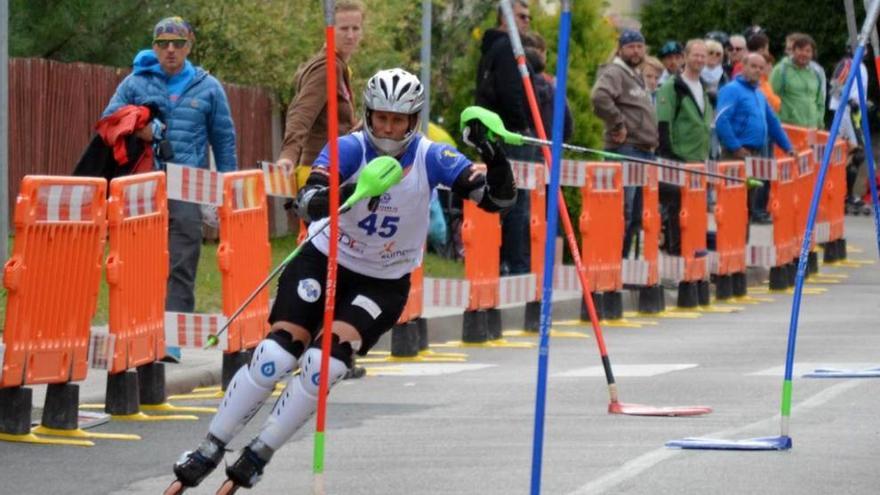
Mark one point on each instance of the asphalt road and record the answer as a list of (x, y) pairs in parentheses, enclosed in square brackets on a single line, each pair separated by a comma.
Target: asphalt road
[(467, 428)]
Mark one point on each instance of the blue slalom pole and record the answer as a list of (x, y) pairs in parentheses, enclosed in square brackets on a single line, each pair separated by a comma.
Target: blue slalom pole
[(811, 219), (550, 245), (869, 153)]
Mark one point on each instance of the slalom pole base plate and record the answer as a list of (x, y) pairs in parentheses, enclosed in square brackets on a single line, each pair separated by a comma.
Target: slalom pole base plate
[(841, 373), (643, 410), (760, 443)]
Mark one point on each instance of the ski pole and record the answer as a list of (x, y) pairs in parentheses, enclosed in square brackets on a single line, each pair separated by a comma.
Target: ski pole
[(376, 178), (496, 126)]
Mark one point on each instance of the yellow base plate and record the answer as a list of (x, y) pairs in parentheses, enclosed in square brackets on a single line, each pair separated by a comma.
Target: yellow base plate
[(712, 308), (752, 300), (495, 344), (147, 418), (80, 433), (31, 438), (669, 313), (556, 334), (166, 407)]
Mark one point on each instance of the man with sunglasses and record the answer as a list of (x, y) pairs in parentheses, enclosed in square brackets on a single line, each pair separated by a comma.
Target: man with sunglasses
[(193, 113)]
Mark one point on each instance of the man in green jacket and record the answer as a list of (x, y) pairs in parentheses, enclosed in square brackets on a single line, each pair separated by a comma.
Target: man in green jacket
[(685, 117), (799, 86)]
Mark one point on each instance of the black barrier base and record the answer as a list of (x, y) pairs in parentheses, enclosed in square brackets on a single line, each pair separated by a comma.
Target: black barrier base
[(650, 299), (612, 306), (474, 327), (739, 284), (61, 409), (830, 254), (813, 263), (405, 340), (232, 362), (493, 324), (841, 249), (422, 325), (791, 272), (532, 321), (151, 383), (723, 287), (15, 410), (778, 278), (598, 304), (704, 293), (688, 295), (122, 394)]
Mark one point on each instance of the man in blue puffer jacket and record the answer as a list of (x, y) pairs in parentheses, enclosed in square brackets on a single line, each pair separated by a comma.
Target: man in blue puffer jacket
[(747, 126), (193, 112)]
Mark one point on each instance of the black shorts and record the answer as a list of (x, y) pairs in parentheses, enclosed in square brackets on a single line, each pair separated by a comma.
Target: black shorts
[(371, 305)]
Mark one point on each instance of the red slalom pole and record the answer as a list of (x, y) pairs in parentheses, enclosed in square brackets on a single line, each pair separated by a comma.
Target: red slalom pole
[(330, 291), (615, 406)]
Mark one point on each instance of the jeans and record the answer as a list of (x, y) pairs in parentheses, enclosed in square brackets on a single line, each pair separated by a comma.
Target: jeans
[(632, 197), (184, 248), (516, 222)]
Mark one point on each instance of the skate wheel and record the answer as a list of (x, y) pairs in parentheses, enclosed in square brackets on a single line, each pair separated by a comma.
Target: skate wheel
[(175, 488), (227, 488)]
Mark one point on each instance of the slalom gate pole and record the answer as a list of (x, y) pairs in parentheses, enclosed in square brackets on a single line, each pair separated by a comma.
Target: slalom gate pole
[(869, 155), (859, 54), (330, 290), (560, 199), (550, 243)]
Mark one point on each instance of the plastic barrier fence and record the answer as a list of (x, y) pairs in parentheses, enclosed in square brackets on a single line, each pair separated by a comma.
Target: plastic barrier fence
[(52, 279), (137, 268), (244, 256)]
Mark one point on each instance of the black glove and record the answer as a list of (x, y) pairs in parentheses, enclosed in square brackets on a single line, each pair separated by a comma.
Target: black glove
[(477, 135), (374, 203), (313, 203)]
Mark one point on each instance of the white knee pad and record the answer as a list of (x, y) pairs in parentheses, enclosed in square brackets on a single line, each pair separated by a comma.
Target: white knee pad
[(250, 387), (299, 399)]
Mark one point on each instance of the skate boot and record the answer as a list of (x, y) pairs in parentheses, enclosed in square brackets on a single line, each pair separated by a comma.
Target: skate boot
[(247, 470), (194, 466)]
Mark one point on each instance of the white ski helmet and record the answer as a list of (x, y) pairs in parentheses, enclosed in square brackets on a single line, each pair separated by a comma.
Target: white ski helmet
[(398, 91)]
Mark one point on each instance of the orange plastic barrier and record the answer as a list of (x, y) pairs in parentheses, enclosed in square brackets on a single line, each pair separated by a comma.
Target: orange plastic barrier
[(781, 208), (601, 226), (830, 218), (137, 268), (244, 242), (481, 236), (415, 300), (52, 279), (651, 223), (731, 219), (538, 225), (693, 222), (801, 137), (803, 192)]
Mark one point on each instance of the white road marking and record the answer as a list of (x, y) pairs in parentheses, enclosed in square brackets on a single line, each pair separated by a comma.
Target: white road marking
[(802, 368), (631, 370), (644, 462)]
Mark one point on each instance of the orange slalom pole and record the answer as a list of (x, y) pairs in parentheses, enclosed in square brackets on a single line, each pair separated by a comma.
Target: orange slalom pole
[(330, 290)]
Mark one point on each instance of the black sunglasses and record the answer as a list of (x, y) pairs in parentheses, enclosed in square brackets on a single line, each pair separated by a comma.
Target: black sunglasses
[(163, 44), (524, 17)]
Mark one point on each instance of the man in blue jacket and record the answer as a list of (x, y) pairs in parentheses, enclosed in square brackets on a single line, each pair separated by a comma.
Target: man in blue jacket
[(747, 126), (193, 113)]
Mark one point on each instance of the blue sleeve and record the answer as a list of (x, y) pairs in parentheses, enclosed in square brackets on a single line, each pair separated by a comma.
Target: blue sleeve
[(777, 133), (444, 164), (350, 156), (120, 98), (221, 131), (726, 109)]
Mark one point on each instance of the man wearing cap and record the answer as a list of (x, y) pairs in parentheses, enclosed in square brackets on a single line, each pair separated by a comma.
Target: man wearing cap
[(672, 56), (620, 99), (193, 113)]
